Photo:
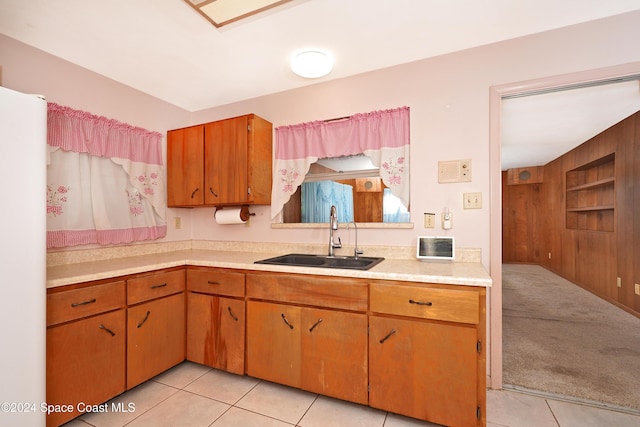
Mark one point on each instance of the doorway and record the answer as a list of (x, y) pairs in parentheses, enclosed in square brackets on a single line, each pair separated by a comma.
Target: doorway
[(496, 95)]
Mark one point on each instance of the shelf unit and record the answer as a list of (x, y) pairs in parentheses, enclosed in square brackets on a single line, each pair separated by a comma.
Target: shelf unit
[(590, 195)]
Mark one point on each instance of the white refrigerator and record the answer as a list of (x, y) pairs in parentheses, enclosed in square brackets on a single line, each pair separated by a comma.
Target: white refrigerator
[(23, 182)]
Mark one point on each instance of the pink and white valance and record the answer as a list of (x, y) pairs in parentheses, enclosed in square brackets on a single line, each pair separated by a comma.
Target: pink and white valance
[(383, 136), (105, 180)]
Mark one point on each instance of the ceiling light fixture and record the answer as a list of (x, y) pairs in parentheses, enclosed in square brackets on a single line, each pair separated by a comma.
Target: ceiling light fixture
[(311, 63)]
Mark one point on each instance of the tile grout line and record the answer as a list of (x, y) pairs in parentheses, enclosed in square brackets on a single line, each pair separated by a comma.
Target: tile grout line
[(552, 413)]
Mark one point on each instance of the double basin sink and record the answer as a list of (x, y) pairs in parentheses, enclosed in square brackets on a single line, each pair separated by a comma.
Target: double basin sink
[(323, 261)]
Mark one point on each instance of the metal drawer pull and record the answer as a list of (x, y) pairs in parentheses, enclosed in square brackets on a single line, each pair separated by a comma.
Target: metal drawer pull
[(316, 324), (393, 331), (194, 192), (162, 285), (113, 334), (213, 192), (145, 319), (233, 316), (78, 304), (212, 282), (286, 321), (428, 303)]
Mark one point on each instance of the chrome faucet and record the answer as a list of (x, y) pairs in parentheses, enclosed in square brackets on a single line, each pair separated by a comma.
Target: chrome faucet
[(356, 251), (333, 225)]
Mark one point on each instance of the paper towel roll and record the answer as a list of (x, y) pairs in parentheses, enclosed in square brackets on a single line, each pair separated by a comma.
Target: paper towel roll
[(231, 216)]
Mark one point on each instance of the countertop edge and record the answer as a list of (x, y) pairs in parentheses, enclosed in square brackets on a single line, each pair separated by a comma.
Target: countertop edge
[(452, 273)]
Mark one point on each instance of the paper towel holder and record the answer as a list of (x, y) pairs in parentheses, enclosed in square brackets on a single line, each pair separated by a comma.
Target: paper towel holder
[(244, 212)]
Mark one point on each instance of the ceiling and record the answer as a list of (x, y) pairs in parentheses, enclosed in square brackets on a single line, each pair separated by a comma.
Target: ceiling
[(166, 49), (539, 128)]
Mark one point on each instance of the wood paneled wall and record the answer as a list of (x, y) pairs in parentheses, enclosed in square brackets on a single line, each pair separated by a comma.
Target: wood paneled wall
[(535, 228), (521, 217)]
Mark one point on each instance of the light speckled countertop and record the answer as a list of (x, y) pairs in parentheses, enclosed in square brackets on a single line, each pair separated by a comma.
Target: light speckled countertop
[(455, 273)]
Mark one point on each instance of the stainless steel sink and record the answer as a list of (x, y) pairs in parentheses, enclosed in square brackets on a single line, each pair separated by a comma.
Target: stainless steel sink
[(323, 261)]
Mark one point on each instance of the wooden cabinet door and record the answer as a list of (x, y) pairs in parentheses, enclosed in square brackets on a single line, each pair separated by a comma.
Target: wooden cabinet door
[(85, 362), (334, 354), (424, 369), (215, 332), (225, 161), (274, 342), (185, 163), (156, 338)]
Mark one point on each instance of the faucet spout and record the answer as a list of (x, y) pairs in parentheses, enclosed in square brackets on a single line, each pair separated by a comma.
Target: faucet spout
[(333, 225)]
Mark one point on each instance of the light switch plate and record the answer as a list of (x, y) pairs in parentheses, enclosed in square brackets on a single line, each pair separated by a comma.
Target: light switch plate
[(429, 220), (472, 200)]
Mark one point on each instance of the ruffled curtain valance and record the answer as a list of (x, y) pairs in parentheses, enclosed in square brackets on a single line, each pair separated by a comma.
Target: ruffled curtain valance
[(382, 135), (105, 180)]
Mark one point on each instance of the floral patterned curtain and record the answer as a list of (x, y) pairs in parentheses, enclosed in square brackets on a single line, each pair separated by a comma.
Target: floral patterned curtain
[(105, 180), (383, 136)]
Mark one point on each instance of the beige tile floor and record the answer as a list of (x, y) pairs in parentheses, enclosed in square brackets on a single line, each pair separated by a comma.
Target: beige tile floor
[(195, 395)]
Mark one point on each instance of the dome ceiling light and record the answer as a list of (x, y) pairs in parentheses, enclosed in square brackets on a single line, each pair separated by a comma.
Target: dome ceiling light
[(311, 63)]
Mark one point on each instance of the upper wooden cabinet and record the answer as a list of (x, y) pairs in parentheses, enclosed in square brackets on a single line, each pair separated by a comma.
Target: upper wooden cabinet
[(222, 163)]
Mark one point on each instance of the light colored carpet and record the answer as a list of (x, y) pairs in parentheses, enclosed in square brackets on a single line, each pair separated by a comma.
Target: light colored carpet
[(561, 339)]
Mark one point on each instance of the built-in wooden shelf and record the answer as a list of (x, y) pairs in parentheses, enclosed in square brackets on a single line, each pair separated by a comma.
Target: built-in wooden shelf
[(590, 195), (595, 184)]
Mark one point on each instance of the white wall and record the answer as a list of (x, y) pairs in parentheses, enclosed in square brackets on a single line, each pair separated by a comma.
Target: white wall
[(449, 100), (448, 96)]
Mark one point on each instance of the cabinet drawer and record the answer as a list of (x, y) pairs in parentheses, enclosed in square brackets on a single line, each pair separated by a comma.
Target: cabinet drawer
[(428, 303), (83, 302), (156, 285), (216, 282), (333, 292)]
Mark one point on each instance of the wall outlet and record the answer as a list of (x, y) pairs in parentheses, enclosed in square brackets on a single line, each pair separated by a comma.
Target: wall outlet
[(177, 223), (429, 220), (619, 282), (472, 200), (637, 288)]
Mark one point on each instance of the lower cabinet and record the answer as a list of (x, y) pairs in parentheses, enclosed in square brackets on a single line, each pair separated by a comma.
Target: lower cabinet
[(86, 348), (426, 356), (423, 369), (309, 332), (334, 354), (414, 349), (317, 350), (104, 338), (155, 338), (215, 332), (216, 318), (274, 343)]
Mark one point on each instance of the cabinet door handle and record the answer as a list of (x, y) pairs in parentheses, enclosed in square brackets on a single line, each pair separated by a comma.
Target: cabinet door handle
[(427, 303), (286, 321), (145, 319), (393, 331), (194, 192), (78, 304), (162, 285), (113, 334), (213, 192), (315, 324), (233, 316), (211, 282)]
